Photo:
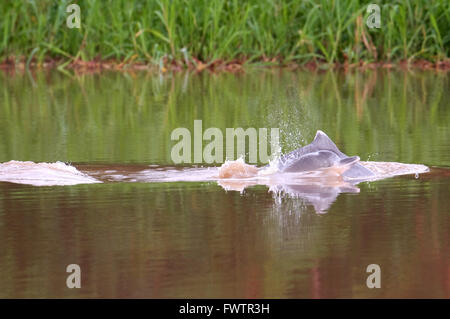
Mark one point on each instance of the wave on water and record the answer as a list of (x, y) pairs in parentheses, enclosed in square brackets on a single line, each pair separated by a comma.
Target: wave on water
[(318, 188), (43, 174), (59, 173), (384, 170)]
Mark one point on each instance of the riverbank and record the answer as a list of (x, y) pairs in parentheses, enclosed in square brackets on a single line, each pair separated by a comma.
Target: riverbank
[(216, 66), (221, 35)]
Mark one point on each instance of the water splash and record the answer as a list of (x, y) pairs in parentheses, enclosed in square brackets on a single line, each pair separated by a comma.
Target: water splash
[(372, 155), (43, 174), (237, 169), (316, 188)]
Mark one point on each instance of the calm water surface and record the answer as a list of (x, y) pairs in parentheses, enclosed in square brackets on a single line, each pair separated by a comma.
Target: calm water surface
[(194, 239)]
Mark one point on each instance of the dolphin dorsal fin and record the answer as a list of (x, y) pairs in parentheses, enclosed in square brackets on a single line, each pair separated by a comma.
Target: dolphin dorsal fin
[(323, 142)]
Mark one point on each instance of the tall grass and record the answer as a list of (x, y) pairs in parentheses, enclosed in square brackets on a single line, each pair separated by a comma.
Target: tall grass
[(253, 30)]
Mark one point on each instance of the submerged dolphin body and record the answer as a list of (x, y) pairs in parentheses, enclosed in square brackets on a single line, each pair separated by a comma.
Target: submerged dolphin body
[(322, 153)]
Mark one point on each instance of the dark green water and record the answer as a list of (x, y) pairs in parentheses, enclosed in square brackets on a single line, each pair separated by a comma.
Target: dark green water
[(194, 239)]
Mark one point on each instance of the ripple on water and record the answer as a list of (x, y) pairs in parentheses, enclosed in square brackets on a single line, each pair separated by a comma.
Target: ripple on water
[(49, 174)]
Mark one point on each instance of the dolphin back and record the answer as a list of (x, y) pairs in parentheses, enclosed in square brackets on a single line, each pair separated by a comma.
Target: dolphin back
[(322, 152)]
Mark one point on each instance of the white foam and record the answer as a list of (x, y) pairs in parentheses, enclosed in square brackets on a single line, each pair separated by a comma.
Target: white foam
[(43, 174), (48, 174), (384, 170)]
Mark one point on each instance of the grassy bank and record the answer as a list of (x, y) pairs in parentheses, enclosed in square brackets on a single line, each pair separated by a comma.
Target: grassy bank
[(186, 33)]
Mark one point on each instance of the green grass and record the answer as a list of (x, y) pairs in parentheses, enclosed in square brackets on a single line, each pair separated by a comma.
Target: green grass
[(254, 31)]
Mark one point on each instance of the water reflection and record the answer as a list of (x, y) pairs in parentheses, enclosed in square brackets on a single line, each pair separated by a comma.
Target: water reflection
[(318, 188), (128, 118), (320, 193), (320, 197), (193, 239)]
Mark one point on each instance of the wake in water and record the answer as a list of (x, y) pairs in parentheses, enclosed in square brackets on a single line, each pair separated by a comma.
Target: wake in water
[(316, 173), (43, 174), (318, 188)]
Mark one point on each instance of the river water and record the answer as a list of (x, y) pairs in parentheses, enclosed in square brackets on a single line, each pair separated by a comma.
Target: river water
[(140, 225)]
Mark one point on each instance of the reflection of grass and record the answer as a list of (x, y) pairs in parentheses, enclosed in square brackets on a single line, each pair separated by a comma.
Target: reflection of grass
[(291, 30), (162, 233), (129, 118)]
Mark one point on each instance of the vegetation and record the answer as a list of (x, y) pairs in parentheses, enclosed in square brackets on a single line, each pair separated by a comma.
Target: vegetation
[(128, 118), (193, 32)]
